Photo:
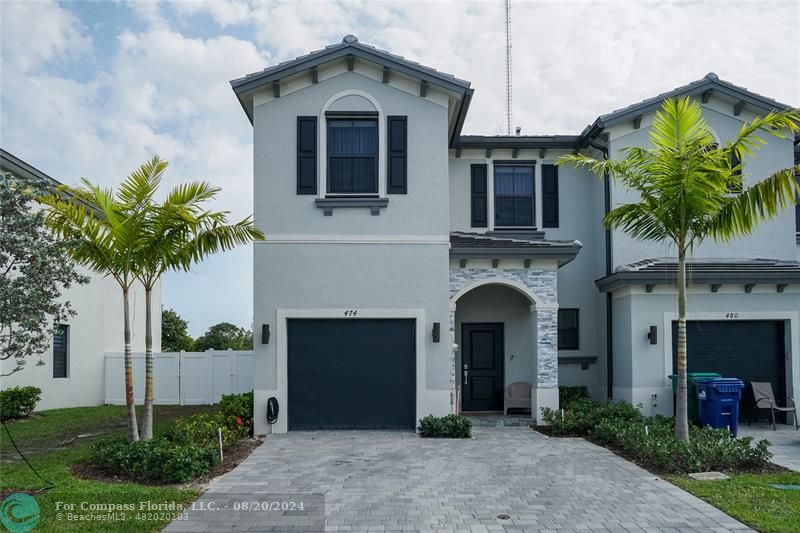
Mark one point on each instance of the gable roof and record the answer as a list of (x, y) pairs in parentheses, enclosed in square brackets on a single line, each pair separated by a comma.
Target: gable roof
[(350, 46), (705, 85)]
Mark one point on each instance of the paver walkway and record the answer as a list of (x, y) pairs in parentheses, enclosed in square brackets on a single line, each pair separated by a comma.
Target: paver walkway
[(785, 443), (397, 481)]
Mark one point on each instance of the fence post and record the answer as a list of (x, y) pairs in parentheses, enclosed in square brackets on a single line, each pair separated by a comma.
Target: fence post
[(180, 377), (231, 362)]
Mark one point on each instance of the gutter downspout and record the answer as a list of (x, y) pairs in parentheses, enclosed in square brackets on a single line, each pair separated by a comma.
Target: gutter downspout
[(609, 319)]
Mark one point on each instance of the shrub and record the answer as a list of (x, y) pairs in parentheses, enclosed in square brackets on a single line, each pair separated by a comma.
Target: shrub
[(650, 441), (707, 449), (578, 418), (159, 459), (570, 395), (18, 402), (450, 426), (238, 412), (202, 429)]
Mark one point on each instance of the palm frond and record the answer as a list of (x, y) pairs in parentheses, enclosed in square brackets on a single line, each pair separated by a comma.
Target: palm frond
[(763, 201)]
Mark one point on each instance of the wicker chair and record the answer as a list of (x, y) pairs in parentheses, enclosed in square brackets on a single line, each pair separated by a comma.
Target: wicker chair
[(517, 395)]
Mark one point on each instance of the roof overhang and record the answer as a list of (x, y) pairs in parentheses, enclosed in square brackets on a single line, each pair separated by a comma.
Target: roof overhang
[(483, 246), (350, 48), (703, 88), (14, 165), (620, 280), (568, 142)]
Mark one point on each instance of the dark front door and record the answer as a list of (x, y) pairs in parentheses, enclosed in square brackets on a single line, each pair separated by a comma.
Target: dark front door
[(482, 367), (351, 374)]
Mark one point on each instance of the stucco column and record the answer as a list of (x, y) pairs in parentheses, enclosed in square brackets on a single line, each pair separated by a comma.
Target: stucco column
[(545, 390), (453, 348)]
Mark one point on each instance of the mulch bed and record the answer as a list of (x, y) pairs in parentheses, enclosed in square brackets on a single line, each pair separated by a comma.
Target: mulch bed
[(769, 468), (233, 456), (7, 492)]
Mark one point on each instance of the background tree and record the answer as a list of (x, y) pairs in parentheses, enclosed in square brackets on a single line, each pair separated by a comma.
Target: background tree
[(174, 332), (690, 190), (35, 268), (223, 336)]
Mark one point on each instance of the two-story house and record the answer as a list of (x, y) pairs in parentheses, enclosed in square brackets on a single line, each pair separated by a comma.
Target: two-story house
[(410, 269)]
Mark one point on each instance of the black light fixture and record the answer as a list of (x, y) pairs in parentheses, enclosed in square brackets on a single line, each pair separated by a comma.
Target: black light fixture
[(436, 331), (653, 335), (264, 333)]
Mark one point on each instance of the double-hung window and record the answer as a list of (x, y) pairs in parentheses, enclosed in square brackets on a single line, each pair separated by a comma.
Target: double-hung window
[(513, 195), (352, 156), (568, 329)]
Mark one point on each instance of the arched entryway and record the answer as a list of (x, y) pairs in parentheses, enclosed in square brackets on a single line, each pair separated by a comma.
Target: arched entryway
[(503, 332)]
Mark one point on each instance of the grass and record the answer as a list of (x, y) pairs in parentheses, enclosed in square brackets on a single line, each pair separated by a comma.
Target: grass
[(750, 499), (39, 438)]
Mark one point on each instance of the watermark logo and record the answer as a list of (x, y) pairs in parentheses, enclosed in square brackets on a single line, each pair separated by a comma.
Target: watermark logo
[(19, 513)]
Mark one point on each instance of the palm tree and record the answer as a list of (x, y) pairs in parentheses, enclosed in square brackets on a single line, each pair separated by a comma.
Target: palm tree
[(690, 190), (176, 234), (105, 227)]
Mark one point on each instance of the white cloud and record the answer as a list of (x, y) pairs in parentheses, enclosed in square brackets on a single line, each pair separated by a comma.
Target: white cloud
[(224, 12), (572, 61), (27, 46)]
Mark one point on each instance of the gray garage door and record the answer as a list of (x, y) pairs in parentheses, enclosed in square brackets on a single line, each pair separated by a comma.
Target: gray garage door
[(351, 374), (748, 350)]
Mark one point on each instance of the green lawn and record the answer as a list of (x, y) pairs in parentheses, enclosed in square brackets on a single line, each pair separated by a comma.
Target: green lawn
[(750, 499), (39, 437)]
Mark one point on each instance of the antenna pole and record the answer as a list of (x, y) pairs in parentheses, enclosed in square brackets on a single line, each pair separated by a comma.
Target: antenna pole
[(508, 67)]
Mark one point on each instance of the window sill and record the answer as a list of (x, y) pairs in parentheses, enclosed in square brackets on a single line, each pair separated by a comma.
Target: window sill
[(329, 204)]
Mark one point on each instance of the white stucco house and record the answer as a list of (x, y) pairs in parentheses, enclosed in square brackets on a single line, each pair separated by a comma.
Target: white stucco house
[(73, 371), (411, 269)]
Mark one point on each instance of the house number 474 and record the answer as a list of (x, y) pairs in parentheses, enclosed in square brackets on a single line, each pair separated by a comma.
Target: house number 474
[(350, 312)]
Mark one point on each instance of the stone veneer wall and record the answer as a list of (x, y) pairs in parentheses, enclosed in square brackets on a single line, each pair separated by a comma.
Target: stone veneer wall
[(543, 284)]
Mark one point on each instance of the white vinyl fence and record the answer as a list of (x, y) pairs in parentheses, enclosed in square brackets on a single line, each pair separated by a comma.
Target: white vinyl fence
[(182, 378)]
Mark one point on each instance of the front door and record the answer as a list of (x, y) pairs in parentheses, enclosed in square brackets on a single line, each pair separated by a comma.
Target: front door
[(482, 367)]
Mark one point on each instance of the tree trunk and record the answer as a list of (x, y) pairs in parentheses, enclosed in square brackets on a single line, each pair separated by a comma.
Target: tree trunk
[(681, 412), (133, 428), (147, 421)]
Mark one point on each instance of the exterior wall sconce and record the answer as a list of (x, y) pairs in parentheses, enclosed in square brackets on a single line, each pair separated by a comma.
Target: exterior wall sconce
[(436, 331), (653, 334), (264, 333)]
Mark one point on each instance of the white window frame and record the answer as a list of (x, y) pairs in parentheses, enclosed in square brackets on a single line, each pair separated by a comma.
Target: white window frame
[(322, 146)]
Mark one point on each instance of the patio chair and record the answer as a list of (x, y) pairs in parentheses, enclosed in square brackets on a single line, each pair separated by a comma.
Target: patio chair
[(517, 395), (765, 399)]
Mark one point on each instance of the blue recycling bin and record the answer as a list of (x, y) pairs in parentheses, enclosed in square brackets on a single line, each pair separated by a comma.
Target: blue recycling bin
[(718, 402)]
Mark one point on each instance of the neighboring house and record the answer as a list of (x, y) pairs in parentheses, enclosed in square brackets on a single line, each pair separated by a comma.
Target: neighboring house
[(73, 370), (410, 269)]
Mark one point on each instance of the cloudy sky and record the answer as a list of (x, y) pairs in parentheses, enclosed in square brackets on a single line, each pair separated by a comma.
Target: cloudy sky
[(92, 89)]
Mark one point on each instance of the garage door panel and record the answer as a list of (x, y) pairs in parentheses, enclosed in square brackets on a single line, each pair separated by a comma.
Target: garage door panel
[(749, 350), (353, 374)]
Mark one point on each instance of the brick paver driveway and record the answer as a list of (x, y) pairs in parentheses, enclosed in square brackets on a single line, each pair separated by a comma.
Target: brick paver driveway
[(396, 481)]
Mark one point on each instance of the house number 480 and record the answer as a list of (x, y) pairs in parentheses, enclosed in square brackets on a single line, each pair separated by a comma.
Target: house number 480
[(350, 312), (732, 315)]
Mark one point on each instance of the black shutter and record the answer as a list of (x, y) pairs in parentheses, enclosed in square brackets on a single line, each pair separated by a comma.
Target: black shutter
[(60, 340), (306, 155), (478, 188), (737, 172), (549, 196), (398, 155)]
